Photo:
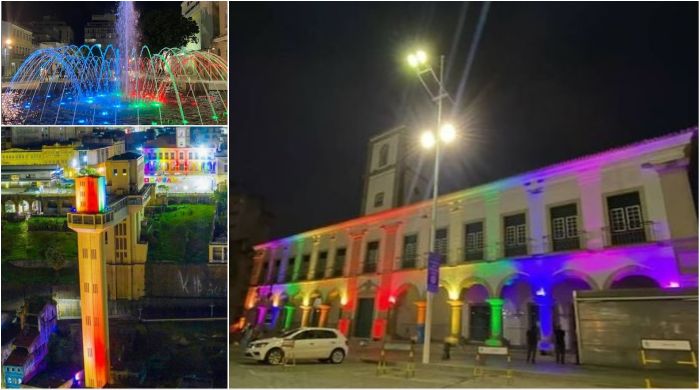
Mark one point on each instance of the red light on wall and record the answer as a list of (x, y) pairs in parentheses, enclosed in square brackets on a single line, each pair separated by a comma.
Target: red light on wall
[(90, 194)]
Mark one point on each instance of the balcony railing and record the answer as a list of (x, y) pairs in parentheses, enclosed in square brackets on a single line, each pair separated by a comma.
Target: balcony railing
[(337, 272), (98, 219), (408, 262), (474, 254), (645, 233), (551, 244), (511, 250)]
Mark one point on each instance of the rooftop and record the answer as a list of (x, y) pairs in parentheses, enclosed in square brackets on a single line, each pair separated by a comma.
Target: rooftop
[(126, 156), (571, 166), (17, 358)]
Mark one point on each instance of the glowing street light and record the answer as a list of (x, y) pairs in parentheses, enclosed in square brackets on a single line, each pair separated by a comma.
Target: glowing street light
[(446, 133)]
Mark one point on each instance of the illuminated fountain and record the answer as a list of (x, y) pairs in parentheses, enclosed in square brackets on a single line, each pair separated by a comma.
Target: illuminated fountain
[(127, 84)]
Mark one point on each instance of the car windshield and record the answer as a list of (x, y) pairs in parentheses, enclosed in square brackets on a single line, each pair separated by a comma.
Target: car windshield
[(289, 333)]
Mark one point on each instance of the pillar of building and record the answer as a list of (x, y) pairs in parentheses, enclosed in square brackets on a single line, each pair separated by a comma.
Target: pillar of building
[(315, 244), (536, 214), (675, 191), (305, 311), (288, 316), (345, 321), (420, 320), (262, 309), (298, 254), (493, 250), (455, 321), (496, 334), (545, 307), (385, 268), (592, 210), (455, 233), (330, 260), (323, 315)]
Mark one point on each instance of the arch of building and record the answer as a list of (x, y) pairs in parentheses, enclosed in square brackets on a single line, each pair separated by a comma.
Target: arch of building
[(404, 312), (633, 276), (475, 322)]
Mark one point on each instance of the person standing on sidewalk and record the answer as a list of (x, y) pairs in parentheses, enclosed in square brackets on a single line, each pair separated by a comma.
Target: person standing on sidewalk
[(533, 337), (559, 344)]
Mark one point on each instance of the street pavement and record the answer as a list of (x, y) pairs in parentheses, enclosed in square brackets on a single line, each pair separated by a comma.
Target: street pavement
[(360, 371)]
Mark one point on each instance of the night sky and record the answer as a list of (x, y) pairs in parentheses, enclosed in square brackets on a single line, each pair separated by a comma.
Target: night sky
[(75, 14), (312, 82)]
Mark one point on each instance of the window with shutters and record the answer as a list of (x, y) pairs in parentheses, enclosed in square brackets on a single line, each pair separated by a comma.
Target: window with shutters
[(515, 232), (320, 271), (441, 244), (410, 251), (304, 269), (339, 263), (626, 219), (371, 257), (474, 241), (564, 225), (289, 272)]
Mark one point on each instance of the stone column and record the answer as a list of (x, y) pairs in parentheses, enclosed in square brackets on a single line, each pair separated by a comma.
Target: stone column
[(261, 315), (455, 321), (546, 319), (420, 320), (496, 337), (315, 244), (592, 210), (305, 311), (288, 316), (354, 258), (345, 321), (323, 315)]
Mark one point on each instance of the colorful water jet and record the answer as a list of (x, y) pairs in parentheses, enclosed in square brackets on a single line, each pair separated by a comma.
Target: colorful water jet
[(127, 84)]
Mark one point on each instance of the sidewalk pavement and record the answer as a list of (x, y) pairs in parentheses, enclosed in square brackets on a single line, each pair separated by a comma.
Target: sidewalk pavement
[(462, 360)]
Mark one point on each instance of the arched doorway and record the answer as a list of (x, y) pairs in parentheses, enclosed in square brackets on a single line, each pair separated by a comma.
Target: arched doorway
[(404, 312), (10, 207), (315, 301), (519, 310), (634, 281), (563, 295), (441, 315), (36, 207), (476, 313), (336, 308), (23, 207)]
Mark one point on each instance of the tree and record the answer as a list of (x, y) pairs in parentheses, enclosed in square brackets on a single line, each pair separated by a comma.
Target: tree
[(163, 28), (164, 189), (53, 255)]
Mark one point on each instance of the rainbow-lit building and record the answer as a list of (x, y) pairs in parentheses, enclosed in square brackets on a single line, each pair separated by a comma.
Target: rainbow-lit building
[(111, 253), (513, 250)]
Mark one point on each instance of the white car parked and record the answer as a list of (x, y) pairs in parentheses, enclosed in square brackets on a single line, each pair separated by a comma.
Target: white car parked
[(324, 344)]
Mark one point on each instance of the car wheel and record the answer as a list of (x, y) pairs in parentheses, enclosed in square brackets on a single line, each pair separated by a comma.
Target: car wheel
[(274, 356), (337, 356)]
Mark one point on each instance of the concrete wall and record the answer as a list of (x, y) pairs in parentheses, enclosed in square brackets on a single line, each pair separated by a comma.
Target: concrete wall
[(186, 281)]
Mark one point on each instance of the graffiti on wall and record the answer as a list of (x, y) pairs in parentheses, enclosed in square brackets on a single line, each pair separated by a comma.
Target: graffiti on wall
[(192, 280)]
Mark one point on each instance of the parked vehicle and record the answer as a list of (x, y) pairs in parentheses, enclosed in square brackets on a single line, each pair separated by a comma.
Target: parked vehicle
[(323, 344)]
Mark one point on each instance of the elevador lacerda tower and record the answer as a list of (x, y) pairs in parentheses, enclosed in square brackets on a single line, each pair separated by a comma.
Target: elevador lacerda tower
[(111, 254)]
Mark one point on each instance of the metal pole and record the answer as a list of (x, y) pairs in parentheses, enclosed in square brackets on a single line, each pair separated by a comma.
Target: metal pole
[(433, 221)]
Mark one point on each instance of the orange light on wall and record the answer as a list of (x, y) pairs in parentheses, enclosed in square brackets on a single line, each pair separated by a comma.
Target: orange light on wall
[(90, 194)]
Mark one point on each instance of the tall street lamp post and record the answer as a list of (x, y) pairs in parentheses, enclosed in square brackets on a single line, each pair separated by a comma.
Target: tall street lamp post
[(431, 139)]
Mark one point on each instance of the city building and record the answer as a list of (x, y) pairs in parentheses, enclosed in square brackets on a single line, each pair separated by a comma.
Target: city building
[(513, 251), (17, 44), (111, 253), (27, 136), (28, 357), (163, 157), (63, 155), (221, 170), (51, 30), (38, 176), (95, 156), (213, 26), (101, 30), (390, 180)]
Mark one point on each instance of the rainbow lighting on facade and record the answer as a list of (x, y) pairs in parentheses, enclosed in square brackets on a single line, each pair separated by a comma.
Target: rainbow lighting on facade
[(515, 251), (90, 194)]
